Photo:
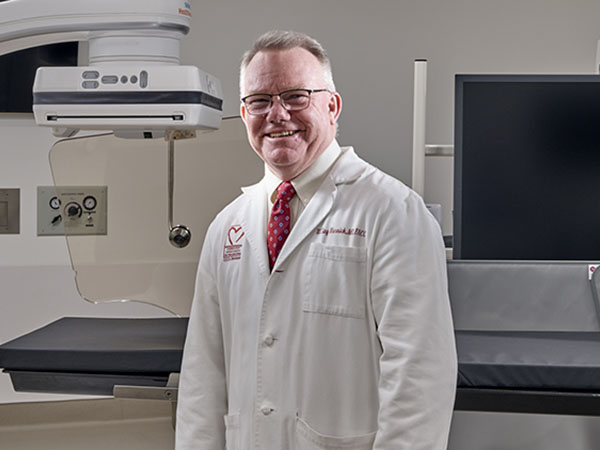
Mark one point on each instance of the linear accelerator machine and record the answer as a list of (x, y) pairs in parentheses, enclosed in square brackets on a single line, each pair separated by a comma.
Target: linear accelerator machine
[(139, 39)]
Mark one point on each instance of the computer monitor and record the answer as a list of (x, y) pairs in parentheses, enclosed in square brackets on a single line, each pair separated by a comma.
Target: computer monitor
[(527, 167)]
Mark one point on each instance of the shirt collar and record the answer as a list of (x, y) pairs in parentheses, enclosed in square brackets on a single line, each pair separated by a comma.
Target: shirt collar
[(307, 183)]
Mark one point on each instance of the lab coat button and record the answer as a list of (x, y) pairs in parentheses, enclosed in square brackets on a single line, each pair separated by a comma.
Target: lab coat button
[(269, 339), (266, 410)]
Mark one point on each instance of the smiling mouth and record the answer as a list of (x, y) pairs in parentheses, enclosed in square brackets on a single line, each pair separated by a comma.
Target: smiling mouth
[(283, 134)]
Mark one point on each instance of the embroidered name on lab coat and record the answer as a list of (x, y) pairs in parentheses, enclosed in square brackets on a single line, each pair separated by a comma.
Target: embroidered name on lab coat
[(232, 249), (343, 230)]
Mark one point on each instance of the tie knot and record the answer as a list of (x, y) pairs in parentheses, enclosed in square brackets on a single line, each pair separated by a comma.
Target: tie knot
[(285, 190)]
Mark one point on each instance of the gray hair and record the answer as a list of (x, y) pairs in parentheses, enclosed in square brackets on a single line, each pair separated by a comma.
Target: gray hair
[(286, 40)]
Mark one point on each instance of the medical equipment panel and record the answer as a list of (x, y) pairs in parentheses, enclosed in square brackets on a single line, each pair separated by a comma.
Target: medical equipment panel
[(72, 210)]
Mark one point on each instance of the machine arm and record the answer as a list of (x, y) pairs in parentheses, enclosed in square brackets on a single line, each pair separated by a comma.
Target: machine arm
[(30, 23), (133, 85)]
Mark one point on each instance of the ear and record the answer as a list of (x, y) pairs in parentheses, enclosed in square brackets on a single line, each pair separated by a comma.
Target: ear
[(243, 112), (335, 107)]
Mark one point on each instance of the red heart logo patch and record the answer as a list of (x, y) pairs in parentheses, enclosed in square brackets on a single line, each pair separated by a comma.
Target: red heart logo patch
[(234, 234)]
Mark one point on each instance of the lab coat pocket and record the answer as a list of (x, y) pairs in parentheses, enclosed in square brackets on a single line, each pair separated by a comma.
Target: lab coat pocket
[(232, 432), (336, 280), (309, 439)]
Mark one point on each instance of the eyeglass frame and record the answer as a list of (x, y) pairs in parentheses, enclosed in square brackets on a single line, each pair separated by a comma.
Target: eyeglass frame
[(309, 91)]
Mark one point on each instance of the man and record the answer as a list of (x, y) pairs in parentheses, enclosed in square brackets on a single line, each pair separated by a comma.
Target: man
[(331, 330)]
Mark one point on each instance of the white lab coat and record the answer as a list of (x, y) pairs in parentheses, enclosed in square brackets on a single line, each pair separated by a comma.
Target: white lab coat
[(347, 344)]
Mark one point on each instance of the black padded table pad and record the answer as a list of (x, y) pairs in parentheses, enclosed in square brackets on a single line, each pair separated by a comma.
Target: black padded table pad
[(526, 371), (99, 345), (561, 361)]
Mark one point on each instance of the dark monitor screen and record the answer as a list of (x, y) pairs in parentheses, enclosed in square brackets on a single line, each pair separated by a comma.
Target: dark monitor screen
[(17, 71), (527, 167)]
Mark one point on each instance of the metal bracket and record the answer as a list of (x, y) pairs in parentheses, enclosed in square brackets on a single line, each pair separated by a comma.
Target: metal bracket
[(175, 135), (169, 392)]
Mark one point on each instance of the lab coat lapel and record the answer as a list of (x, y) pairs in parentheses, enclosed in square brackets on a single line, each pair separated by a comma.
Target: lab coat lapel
[(253, 222), (316, 210)]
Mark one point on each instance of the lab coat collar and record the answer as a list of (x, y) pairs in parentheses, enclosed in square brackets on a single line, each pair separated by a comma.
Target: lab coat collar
[(348, 167)]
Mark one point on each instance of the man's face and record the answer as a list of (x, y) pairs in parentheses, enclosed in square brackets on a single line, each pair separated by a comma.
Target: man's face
[(313, 129)]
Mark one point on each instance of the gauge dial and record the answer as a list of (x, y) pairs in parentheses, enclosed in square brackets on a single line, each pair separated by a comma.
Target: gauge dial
[(89, 202), (54, 203)]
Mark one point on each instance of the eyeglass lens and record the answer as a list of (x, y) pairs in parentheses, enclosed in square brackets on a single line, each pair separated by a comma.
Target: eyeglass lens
[(290, 100)]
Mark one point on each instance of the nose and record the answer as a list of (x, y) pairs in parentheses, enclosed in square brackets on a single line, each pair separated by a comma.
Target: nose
[(277, 113)]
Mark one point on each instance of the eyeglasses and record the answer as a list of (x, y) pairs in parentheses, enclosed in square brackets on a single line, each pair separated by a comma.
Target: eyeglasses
[(291, 100)]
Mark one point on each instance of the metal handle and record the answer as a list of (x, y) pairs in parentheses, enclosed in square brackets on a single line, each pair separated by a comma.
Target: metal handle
[(171, 180), (179, 235)]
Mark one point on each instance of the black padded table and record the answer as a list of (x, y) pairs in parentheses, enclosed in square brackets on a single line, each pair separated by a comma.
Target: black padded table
[(529, 371), (78, 355), (502, 371)]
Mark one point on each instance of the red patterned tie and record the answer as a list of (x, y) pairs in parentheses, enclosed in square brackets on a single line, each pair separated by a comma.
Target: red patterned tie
[(279, 222)]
